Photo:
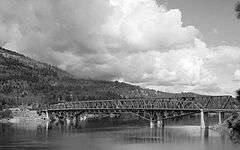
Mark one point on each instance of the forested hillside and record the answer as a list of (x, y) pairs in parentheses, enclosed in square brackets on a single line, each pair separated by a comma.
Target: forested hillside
[(27, 81)]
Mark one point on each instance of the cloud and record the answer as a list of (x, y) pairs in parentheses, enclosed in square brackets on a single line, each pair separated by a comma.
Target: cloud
[(135, 41), (237, 75), (215, 31), (144, 25)]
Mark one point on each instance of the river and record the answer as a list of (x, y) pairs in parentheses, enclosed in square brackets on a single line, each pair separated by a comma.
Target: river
[(114, 134)]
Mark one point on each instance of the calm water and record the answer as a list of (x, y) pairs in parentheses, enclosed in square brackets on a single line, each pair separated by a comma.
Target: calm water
[(112, 134)]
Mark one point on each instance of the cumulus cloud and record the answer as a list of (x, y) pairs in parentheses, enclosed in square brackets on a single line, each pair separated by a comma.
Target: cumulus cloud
[(135, 41), (215, 31), (237, 75)]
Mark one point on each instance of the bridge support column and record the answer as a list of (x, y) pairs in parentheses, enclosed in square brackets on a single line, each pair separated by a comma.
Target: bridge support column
[(47, 116), (151, 123), (74, 120), (220, 117), (160, 121), (68, 119), (151, 117), (204, 119)]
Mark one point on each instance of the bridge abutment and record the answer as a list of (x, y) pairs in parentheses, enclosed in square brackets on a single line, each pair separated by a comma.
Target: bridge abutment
[(204, 119)]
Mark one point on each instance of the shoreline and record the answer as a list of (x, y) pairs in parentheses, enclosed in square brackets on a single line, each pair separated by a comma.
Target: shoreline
[(22, 115), (220, 129)]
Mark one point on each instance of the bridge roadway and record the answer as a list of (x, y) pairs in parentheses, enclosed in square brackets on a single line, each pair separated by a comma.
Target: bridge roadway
[(154, 109)]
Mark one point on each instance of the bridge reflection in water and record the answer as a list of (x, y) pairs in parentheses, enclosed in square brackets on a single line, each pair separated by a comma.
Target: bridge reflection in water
[(141, 135), (166, 135)]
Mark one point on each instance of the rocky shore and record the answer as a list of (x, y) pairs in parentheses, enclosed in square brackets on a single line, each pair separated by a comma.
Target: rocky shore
[(231, 127), (5, 115), (20, 115)]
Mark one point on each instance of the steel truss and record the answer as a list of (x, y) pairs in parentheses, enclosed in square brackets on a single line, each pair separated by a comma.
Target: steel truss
[(151, 109)]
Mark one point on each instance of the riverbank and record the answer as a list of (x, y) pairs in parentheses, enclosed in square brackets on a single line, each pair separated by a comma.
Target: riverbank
[(5, 115), (221, 128), (20, 115), (230, 126)]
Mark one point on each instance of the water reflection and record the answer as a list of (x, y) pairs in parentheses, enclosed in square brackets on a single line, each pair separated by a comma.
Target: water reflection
[(187, 134), (111, 134)]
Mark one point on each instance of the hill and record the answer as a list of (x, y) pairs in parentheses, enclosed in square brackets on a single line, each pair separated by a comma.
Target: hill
[(24, 80)]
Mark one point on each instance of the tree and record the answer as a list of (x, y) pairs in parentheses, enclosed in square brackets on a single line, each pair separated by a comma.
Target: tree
[(238, 95), (237, 9)]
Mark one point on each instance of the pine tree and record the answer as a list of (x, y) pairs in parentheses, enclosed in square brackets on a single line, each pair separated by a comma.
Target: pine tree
[(238, 95)]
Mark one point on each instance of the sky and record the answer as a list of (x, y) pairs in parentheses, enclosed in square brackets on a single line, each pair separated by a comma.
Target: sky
[(215, 19), (168, 45)]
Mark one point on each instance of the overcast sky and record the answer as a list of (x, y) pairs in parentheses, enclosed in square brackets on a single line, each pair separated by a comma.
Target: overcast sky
[(175, 46)]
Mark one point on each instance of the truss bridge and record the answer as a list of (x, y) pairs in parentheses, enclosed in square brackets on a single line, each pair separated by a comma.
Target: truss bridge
[(154, 109)]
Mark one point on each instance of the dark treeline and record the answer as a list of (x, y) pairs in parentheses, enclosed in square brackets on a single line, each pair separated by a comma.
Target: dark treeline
[(238, 95), (237, 9)]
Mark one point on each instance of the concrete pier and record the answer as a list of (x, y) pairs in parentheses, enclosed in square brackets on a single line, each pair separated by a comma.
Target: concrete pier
[(68, 120), (74, 120), (151, 123), (220, 117), (151, 119), (204, 120), (47, 116), (160, 123)]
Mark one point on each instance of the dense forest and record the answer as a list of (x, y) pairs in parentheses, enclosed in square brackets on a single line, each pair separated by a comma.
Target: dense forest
[(27, 81)]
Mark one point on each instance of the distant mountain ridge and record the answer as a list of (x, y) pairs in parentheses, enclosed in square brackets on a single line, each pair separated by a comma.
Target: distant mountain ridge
[(31, 63), (25, 80)]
